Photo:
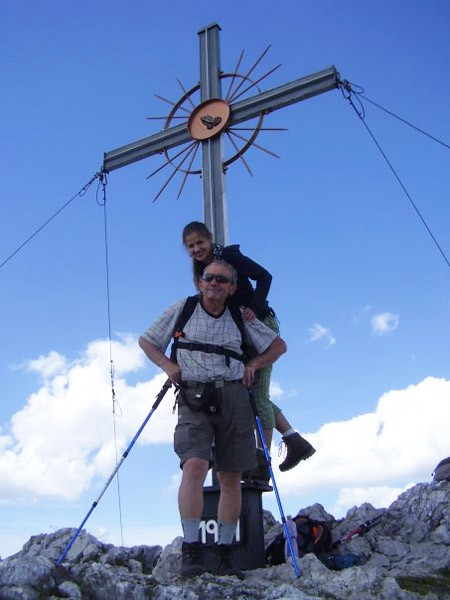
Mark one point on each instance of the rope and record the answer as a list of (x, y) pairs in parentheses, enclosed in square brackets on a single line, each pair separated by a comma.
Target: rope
[(354, 98), (116, 410), (80, 193)]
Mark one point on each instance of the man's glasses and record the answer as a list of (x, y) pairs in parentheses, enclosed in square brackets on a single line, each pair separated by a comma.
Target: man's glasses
[(208, 277)]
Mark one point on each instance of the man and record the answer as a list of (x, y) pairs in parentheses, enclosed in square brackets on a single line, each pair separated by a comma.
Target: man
[(213, 405)]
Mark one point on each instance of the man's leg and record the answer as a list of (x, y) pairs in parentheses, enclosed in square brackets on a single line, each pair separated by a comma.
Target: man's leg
[(228, 512), (190, 502), (229, 507), (234, 452), (190, 495)]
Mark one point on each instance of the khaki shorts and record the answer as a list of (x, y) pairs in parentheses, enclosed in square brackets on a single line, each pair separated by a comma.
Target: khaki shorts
[(232, 431)]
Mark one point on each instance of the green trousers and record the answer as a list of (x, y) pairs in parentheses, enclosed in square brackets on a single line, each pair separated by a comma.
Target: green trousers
[(261, 385)]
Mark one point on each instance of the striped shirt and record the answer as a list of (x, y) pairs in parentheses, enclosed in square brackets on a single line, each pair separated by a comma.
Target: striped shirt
[(206, 328)]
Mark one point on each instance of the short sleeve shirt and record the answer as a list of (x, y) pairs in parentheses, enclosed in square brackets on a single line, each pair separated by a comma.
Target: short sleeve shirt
[(204, 327)]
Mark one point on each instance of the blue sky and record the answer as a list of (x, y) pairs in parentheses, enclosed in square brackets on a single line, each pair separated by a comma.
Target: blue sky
[(360, 288)]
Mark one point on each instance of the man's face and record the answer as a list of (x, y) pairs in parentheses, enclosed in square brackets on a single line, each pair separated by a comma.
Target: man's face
[(217, 289)]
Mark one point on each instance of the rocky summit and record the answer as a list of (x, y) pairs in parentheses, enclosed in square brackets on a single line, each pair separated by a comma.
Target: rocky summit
[(406, 555)]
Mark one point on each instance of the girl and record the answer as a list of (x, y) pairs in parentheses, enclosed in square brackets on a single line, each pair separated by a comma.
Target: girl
[(199, 243)]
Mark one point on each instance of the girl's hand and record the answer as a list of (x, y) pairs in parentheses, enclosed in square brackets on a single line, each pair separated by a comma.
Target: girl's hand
[(248, 314), (249, 376)]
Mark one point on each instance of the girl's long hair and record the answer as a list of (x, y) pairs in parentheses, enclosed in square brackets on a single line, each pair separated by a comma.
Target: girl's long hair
[(199, 228)]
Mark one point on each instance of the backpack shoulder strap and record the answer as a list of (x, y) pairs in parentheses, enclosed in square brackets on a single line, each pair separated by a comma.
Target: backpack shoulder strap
[(247, 347), (189, 308), (183, 318), (237, 318)]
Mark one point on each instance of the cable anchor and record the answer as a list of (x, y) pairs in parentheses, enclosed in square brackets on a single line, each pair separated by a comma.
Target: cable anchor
[(351, 93)]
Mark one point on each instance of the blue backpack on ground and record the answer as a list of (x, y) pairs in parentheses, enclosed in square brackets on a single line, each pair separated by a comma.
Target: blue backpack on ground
[(308, 535)]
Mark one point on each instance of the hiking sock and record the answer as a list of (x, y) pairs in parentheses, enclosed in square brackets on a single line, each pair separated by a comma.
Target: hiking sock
[(190, 530), (288, 433), (227, 532)]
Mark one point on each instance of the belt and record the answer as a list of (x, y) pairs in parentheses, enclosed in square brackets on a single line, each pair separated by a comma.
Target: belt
[(219, 383)]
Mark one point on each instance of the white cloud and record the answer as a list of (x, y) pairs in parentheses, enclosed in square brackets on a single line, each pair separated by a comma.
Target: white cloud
[(275, 389), (61, 442), (400, 442), (377, 496), (61, 439), (46, 366), (318, 332), (384, 323), (174, 484)]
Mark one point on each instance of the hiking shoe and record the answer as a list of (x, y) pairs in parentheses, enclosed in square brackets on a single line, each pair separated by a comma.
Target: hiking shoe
[(224, 562), (262, 473), (297, 449), (191, 560)]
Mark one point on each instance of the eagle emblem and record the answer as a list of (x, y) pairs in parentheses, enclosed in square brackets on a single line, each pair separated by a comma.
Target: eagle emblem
[(210, 122)]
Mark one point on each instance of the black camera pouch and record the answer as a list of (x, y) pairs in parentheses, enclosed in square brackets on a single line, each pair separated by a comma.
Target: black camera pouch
[(207, 401)]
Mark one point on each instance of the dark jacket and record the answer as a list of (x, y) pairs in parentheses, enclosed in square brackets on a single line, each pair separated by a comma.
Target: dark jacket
[(247, 295)]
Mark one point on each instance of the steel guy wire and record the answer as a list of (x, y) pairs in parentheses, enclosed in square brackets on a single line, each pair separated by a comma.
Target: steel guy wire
[(80, 193), (102, 201), (359, 93), (432, 137), (349, 93)]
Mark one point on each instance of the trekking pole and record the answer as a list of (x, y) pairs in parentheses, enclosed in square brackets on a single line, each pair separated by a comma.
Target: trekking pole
[(275, 488), (159, 397), (360, 530)]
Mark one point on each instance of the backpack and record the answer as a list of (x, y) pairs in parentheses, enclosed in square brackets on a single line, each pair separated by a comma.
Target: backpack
[(442, 471), (248, 351), (309, 535)]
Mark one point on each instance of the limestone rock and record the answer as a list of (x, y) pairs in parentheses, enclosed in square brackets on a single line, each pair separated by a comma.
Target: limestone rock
[(406, 557)]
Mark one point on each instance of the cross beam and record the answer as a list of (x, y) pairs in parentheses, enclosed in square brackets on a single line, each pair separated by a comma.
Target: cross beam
[(214, 197), (279, 97)]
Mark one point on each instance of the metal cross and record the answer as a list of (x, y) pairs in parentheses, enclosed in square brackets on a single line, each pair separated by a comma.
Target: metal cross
[(208, 127)]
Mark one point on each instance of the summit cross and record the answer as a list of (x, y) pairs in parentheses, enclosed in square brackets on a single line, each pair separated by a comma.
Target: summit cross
[(208, 121)]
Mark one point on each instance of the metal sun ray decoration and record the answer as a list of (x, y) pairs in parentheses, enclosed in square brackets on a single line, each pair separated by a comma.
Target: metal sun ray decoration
[(211, 118), (203, 118)]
